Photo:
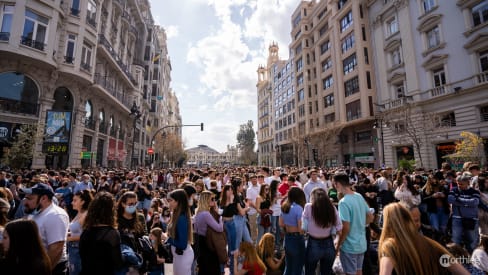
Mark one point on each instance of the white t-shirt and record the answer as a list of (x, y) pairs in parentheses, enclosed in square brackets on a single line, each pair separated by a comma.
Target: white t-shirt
[(252, 193), (53, 223)]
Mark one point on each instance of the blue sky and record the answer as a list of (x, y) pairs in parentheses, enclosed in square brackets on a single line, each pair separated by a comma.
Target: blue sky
[(215, 47)]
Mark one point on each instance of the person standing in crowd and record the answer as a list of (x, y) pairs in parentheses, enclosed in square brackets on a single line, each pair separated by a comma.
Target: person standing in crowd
[(131, 224), (252, 193), (321, 221), (84, 184), (312, 183), (480, 255), (267, 255), (23, 250), (240, 221), (483, 215), (143, 190), (275, 198), (252, 264), (462, 255), (14, 189), (100, 240), (156, 265), (385, 194), (180, 235), (207, 259), (435, 197), (465, 201), (64, 194), (229, 209), (405, 190), (403, 250), (81, 201), (263, 204), (355, 215), (53, 223), (291, 221)]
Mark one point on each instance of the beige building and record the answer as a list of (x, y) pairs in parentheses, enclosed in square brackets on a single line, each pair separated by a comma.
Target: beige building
[(333, 89), (76, 69), (431, 62), (202, 155)]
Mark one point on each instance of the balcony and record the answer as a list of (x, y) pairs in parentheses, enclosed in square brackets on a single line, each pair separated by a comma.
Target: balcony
[(4, 36), (32, 43), (102, 127), (69, 60), (75, 12), (106, 44), (14, 106), (457, 86), (106, 84), (90, 123), (91, 21)]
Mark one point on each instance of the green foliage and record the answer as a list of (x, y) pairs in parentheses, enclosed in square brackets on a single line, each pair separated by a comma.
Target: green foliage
[(246, 143), (19, 155), (470, 148), (406, 164)]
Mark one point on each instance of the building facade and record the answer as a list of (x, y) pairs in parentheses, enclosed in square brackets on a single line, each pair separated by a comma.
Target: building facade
[(202, 155), (93, 76), (431, 63), (332, 87)]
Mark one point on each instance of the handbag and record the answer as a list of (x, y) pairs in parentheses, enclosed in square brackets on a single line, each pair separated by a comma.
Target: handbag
[(217, 241), (266, 218)]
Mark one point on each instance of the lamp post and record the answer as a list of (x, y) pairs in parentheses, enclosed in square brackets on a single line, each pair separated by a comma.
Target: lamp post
[(375, 126), (136, 114)]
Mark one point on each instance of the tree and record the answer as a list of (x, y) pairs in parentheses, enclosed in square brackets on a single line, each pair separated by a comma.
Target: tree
[(169, 146), (246, 142), (19, 155), (326, 143), (470, 148)]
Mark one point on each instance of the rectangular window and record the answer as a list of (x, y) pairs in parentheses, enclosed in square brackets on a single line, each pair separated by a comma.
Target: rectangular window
[(327, 82), (91, 13), (351, 86), (363, 30), (368, 79), (328, 100), (323, 29), (391, 26), (484, 61), (75, 7), (298, 49), (480, 13), (348, 42), (341, 4), (428, 5), (326, 64), (297, 20), (396, 58), (399, 90), (86, 55), (346, 21), (35, 30), (70, 49), (324, 47), (363, 136), (439, 78), (300, 80), (433, 37), (366, 56), (484, 113), (310, 109), (448, 120), (349, 64), (301, 95), (353, 110), (329, 118), (301, 110), (6, 23), (299, 64)]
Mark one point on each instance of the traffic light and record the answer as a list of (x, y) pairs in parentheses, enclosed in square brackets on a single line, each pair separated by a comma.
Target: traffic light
[(201, 126), (315, 154)]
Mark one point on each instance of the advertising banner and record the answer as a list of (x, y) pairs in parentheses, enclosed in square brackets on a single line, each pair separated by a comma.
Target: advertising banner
[(58, 126)]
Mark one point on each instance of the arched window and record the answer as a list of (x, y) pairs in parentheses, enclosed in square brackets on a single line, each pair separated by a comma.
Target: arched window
[(102, 126), (89, 121), (19, 93), (63, 100), (111, 126)]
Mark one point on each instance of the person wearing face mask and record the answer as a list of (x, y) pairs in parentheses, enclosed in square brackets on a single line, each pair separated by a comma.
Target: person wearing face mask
[(131, 224), (52, 221)]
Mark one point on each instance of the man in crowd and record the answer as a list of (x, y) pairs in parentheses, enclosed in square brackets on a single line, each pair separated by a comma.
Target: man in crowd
[(313, 182), (252, 193), (53, 223)]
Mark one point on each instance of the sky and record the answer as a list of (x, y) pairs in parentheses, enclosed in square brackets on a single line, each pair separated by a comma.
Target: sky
[(215, 48)]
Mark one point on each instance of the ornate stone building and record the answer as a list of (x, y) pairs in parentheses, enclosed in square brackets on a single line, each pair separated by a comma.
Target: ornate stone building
[(76, 69)]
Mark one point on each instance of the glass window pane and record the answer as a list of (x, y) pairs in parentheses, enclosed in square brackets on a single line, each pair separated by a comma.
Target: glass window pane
[(41, 33), (28, 29), (6, 23)]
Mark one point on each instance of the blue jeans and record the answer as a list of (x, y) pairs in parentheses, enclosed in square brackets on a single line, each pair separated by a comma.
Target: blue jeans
[(261, 229), (462, 236), (295, 254), (319, 250), (275, 229), (439, 220), (230, 231), (242, 232), (74, 260)]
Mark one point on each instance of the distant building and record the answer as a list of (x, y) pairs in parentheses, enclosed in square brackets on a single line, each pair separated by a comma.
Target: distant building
[(202, 155)]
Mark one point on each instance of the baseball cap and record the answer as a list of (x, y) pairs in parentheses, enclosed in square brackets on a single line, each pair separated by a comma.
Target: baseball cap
[(39, 189)]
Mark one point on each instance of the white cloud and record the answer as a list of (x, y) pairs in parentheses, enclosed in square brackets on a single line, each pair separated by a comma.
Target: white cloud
[(171, 31)]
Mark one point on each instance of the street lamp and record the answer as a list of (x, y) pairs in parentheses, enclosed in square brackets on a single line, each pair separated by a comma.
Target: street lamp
[(375, 126), (136, 114)]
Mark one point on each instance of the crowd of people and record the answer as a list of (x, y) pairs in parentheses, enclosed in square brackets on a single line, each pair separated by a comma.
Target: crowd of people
[(247, 220)]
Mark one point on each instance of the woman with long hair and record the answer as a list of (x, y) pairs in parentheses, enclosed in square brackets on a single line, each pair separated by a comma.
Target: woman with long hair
[(229, 209), (321, 221), (405, 191), (100, 240), (435, 198), (263, 203), (267, 254), (205, 217), (180, 233), (291, 221), (275, 198), (81, 201), (156, 265), (252, 264), (240, 220), (23, 249), (403, 250)]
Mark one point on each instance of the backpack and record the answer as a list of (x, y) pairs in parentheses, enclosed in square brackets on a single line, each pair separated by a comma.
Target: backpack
[(266, 218)]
